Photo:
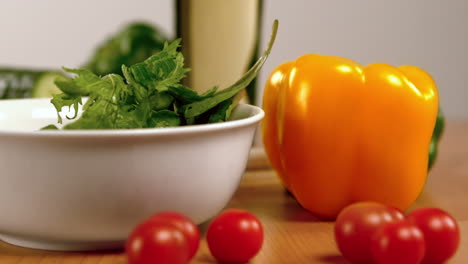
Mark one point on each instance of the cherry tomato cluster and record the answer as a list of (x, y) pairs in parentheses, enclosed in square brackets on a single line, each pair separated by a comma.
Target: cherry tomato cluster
[(369, 232), (170, 237)]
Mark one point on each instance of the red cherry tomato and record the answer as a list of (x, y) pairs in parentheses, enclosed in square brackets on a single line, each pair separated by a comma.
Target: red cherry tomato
[(235, 236), (399, 242), (188, 227), (355, 226), (440, 231), (157, 241)]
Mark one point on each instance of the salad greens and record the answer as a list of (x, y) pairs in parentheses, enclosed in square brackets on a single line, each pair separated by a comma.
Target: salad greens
[(149, 94), (133, 43)]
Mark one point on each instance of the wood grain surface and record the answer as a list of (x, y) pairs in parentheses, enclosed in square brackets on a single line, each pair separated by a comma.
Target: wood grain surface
[(293, 235)]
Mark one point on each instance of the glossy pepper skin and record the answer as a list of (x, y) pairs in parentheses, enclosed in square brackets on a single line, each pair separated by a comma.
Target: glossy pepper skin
[(337, 132)]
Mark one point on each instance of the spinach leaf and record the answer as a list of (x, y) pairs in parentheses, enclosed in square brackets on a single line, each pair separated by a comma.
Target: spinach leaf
[(164, 118), (187, 95), (222, 111)]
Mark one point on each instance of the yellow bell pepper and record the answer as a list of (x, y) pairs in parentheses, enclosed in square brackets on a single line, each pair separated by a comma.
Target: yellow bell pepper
[(337, 132)]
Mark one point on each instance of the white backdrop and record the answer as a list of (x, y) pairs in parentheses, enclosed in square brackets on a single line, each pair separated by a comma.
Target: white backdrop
[(432, 34)]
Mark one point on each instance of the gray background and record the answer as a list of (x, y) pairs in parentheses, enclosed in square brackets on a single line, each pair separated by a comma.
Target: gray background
[(431, 34)]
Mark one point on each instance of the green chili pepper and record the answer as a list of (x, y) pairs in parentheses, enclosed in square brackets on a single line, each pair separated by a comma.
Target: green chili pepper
[(436, 135)]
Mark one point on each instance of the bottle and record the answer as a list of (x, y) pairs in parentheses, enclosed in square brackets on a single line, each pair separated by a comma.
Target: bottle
[(220, 41)]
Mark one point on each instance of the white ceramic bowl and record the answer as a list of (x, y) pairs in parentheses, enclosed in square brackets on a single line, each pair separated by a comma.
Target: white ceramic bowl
[(86, 190)]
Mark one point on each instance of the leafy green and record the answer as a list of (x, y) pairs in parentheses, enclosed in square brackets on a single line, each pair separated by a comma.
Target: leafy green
[(50, 127), (222, 111), (162, 70), (187, 95), (148, 95), (165, 118), (132, 44), (104, 108)]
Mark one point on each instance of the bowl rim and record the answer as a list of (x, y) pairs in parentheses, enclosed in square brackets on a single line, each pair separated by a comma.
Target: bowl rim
[(256, 116)]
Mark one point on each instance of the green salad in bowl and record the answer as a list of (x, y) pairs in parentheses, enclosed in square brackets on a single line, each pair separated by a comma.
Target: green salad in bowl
[(149, 94), (122, 148)]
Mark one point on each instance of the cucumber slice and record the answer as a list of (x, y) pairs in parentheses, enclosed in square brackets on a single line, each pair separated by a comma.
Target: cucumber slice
[(44, 86)]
